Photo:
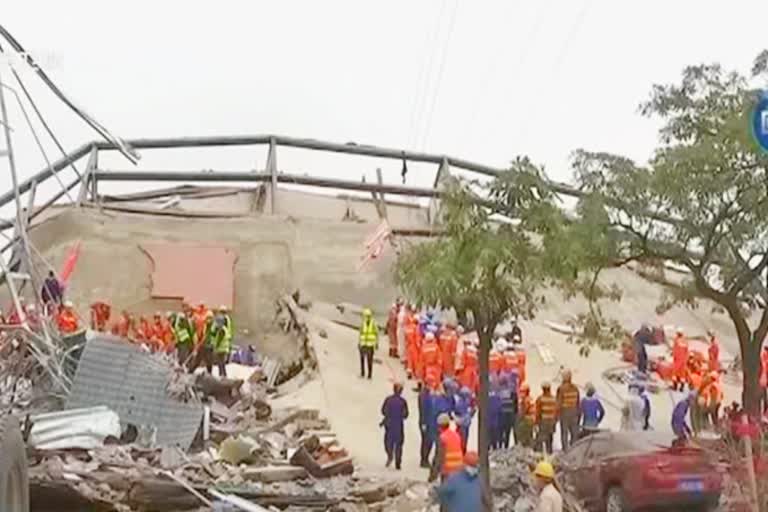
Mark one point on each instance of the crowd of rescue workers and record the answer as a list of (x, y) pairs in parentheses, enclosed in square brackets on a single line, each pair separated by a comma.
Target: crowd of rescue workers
[(444, 361), (197, 335)]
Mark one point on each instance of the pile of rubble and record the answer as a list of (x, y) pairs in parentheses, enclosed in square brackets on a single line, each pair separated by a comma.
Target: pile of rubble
[(512, 482), (287, 461), (116, 428)]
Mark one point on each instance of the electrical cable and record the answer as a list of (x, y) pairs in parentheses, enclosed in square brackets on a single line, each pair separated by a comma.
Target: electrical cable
[(491, 71), (575, 26), (119, 144), (424, 80), (42, 120), (37, 140), (441, 69)]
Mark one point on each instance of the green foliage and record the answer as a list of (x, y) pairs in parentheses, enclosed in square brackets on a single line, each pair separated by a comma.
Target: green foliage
[(700, 202), (488, 269)]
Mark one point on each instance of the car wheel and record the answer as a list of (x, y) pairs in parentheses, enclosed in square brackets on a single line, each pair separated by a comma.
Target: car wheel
[(614, 500), (14, 480)]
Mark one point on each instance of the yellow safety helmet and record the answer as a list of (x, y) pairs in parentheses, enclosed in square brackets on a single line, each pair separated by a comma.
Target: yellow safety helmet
[(367, 312), (544, 469)]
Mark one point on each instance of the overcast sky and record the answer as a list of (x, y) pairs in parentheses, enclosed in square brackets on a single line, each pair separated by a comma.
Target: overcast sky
[(483, 80)]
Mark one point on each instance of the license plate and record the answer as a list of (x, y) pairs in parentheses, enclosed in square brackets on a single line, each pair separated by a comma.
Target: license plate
[(692, 486)]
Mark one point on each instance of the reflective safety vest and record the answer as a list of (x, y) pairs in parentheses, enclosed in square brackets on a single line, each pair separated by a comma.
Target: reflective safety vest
[(220, 339), (181, 329), (527, 408), (453, 460), (568, 396), (369, 333), (546, 408)]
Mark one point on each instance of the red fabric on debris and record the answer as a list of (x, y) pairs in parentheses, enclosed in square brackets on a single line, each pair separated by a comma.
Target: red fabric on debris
[(194, 274)]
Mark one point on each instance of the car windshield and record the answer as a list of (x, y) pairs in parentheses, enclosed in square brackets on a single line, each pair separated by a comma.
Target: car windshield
[(641, 441)]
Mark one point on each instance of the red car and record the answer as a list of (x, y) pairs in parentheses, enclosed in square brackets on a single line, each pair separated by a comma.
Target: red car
[(627, 471)]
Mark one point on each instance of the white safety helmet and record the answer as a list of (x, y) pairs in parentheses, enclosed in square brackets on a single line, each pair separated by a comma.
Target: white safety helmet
[(429, 336), (68, 304), (680, 330)]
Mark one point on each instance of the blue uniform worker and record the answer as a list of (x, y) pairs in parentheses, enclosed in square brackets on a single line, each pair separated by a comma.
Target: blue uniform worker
[(395, 412)]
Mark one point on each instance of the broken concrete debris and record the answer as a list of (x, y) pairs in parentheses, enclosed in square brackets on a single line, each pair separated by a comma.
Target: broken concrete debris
[(114, 447)]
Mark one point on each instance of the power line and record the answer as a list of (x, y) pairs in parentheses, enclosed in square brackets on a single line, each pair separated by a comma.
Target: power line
[(491, 71), (436, 92), (575, 26), (424, 79)]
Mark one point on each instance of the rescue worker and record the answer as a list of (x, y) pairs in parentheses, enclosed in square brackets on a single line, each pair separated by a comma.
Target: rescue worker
[(183, 333), (521, 358), (395, 412), (413, 344), (449, 340), (200, 323), (494, 417), (391, 327), (158, 331), (508, 416), (369, 342), (52, 292), (495, 358), (635, 409), (203, 350), (713, 352), (470, 366), (646, 407), (679, 425), (515, 331), (592, 412), (425, 429), (642, 338), (100, 313), (546, 418), (123, 325), (568, 409), (144, 332), (526, 417), (448, 457), (67, 319), (221, 340), (764, 376), (462, 491), (511, 368), (550, 499), (464, 411), (402, 317), (679, 360), (431, 362)]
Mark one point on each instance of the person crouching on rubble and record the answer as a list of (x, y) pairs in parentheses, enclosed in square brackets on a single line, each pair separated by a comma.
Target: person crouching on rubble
[(462, 491), (550, 499), (592, 412), (395, 412)]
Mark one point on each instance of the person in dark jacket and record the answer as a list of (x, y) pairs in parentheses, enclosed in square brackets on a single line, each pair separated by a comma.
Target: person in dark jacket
[(462, 491), (642, 338), (508, 414), (395, 412), (425, 418), (494, 419), (52, 291)]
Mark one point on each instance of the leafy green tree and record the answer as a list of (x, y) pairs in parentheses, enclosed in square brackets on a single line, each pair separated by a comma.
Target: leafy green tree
[(489, 270), (701, 202)]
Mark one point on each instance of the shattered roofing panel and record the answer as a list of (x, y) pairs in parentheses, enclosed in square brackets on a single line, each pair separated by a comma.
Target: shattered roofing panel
[(132, 383), (194, 274)]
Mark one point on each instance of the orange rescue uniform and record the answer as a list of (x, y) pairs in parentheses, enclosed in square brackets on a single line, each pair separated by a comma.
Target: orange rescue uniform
[(412, 343), (679, 358), (432, 365), (714, 356), (67, 321), (449, 340), (470, 368)]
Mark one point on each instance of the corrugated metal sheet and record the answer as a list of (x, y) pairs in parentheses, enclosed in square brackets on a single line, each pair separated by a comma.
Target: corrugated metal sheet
[(133, 384), (193, 273), (75, 428)]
